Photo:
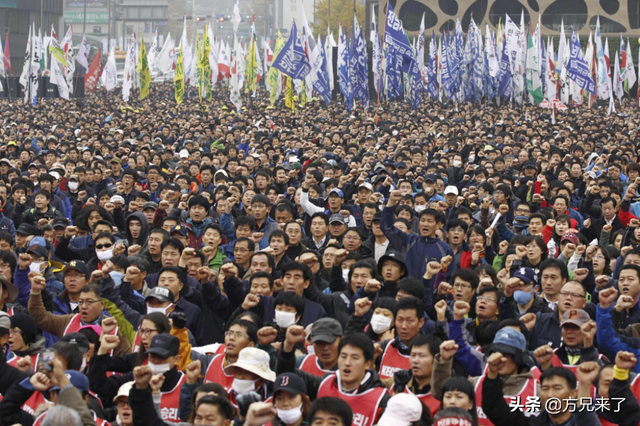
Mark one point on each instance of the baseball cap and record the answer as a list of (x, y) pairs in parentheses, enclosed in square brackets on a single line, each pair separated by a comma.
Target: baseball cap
[(451, 190), (527, 275), (337, 217), (60, 222), (78, 265), (289, 382), (529, 165), (123, 391), (431, 178), (180, 229), (336, 191), (117, 198), (162, 294), (116, 159), (5, 320), (326, 330), (401, 165), (576, 317), (508, 341), (38, 250), (77, 379), (164, 345), (78, 339), (150, 205), (184, 153), (571, 237), (395, 256), (366, 185), (402, 409), (27, 229)]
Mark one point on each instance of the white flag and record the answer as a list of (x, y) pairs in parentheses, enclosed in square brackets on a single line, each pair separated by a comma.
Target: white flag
[(236, 18), (213, 57), (26, 66), (109, 77), (153, 52), (234, 82), (164, 60), (618, 85), (129, 69), (631, 70), (58, 79), (83, 53)]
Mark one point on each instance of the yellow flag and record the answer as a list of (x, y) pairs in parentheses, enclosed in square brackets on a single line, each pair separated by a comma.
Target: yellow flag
[(288, 98), (199, 66), (273, 76), (251, 66), (206, 66), (143, 71), (178, 79)]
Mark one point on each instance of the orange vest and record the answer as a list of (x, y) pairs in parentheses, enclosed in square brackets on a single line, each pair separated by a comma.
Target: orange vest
[(529, 389), (170, 402), (365, 405), (215, 373), (427, 398), (310, 365), (392, 361)]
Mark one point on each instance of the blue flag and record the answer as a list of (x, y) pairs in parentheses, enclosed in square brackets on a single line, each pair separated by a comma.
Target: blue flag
[(577, 70), (322, 82), (292, 59), (353, 67), (361, 69), (394, 74), (432, 84), (505, 88), (395, 36), (343, 68)]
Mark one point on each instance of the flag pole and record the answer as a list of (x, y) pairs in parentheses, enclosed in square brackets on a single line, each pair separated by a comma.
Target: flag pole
[(384, 30)]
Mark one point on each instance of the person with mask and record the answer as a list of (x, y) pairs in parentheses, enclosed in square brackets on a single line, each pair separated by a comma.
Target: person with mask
[(520, 296), (325, 339), (164, 358), (355, 382), (37, 259), (251, 372), (291, 400), (380, 325)]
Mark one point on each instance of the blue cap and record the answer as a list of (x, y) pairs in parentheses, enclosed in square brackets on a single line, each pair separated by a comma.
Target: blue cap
[(77, 379), (401, 165), (509, 341), (527, 275), (336, 191), (431, 178)]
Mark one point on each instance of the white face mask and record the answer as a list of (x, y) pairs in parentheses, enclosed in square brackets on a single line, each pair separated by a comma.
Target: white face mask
[(105, 255), (345, 275), (285, 319), (36, 267), (73, 186), (83, 367), (418, 209), (380, 323), (116, 277), (472, 158), (163, 311), (242, 386), (160, 368), (457, 163), (290, 416)]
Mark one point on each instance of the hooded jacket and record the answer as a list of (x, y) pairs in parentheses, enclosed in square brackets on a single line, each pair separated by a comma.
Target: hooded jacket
[(144, 233)]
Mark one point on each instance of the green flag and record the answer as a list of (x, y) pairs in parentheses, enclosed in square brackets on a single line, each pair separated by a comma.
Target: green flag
[(534, 85)]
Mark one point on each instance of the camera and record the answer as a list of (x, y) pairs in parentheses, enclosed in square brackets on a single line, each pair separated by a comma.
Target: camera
[(245, 399)]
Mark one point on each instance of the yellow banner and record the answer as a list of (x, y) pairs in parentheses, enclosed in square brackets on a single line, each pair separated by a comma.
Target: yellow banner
[(273, 75), (288, 98), (179, 78), (143, 71)]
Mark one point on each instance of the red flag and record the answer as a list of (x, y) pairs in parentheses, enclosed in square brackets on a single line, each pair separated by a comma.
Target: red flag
[(91, 77), (7, 55)]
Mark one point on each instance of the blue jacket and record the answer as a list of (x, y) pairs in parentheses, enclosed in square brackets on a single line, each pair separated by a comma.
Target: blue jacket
[(610, 342), (419, 250), (6, 224)]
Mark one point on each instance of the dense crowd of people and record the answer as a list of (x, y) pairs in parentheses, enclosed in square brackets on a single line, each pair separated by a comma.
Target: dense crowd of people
[(455, 265)]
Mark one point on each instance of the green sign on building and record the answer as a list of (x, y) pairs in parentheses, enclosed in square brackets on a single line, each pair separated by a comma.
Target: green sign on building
[(92, 17)]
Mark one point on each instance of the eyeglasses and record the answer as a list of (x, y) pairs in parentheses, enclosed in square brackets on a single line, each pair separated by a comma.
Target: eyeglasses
[(103, 246), (236, 334), (15, 331), (573, 295), (522, 211), (485, 298), (146, 331), (240, 250), (88, 302), (461, 285)]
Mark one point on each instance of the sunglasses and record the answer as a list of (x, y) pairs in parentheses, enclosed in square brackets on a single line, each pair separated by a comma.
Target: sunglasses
[(103, 246)]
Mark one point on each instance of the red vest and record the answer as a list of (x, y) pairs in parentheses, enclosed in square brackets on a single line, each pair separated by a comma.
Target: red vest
[(365, 405), (310, 365), (34, 361), (137, 342), (215, 373), (392, 361), (428, 399), (170, 402), (529, 389), (10, 311)]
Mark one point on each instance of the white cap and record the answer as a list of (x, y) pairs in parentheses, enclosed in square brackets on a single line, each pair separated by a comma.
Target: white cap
[(402, 410), (366, 185), (117, 198), (55, 175), (123, 391), (184, 153), (451, 190)]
